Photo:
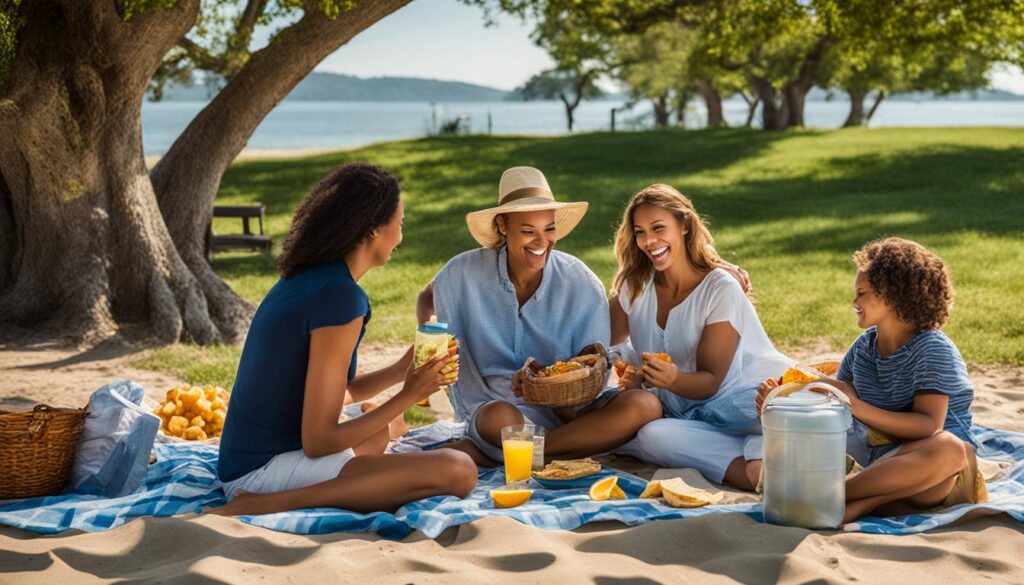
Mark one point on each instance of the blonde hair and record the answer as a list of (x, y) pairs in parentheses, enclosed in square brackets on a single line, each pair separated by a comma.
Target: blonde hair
[(635, 268)]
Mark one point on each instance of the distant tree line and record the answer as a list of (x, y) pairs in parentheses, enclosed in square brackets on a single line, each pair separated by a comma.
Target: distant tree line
[(770, 52)]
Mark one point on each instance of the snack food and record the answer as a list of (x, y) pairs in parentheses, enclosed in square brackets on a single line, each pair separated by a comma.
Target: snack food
[(621, 368), (829, 368), (424, 353), (569, 469), (798, 374), (680, 495), (193, 413), (661, 356), (563, 372), (652, 490)]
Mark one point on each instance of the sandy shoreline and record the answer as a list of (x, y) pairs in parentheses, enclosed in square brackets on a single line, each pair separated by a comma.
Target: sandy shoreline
[(724, 548), (269, 153)]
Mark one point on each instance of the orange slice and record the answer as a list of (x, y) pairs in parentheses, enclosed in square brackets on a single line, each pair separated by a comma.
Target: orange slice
[(510, 498), (603, 489), (618, 494)]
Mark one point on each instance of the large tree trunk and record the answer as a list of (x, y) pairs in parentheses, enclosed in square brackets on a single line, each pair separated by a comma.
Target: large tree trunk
[(661, 110), (712, 102), (795, 92), (856, 116), (88, 251), (187, 177), (774, 109)]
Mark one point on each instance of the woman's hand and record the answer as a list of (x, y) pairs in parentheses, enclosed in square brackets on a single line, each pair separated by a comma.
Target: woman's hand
[(659, 373), (764, 390), (421, 382), (631, 378), (738, 273)]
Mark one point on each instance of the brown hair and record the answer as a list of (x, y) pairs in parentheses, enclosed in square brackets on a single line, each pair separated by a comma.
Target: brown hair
[(910, 279), (338, 213), (635, 268)]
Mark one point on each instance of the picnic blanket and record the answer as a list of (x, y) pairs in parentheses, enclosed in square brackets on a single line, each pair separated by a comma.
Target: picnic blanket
[(183, 481)]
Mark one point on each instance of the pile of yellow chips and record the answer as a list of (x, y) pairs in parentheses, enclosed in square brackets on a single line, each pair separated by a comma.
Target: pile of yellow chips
[(193, 413)]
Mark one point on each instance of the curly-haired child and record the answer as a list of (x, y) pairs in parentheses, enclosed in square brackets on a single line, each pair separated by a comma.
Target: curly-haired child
[(908, 388)]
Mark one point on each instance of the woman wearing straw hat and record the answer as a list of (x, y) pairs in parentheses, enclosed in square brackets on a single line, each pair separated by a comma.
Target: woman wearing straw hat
[(517, 297)]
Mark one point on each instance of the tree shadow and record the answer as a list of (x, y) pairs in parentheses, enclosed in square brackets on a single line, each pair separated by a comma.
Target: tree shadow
[(934, 194)]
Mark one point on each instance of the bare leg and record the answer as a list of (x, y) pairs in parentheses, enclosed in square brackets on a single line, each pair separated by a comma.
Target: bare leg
[(922, 473), (396, 428), (474, 452), (604, 429), (490, 419), (375, 445), (370, 483), (743, 474)]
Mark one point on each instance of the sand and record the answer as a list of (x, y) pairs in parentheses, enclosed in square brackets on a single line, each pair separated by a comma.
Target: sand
[(725, 548)]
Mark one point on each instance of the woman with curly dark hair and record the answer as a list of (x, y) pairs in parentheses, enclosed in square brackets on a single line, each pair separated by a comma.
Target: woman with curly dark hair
[(282, 447), (908, 387)]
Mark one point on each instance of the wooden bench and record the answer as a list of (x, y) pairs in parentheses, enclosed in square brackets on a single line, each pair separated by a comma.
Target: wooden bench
[(244, 241)]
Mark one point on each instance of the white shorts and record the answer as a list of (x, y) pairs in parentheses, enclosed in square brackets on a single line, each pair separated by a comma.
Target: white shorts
[(675, 443), (288, 471)]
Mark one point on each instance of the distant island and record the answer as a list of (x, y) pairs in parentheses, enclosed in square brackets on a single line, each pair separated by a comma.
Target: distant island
[(332, 87)]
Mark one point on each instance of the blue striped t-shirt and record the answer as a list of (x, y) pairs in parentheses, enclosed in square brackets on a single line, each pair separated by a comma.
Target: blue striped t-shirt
[(929, 363)]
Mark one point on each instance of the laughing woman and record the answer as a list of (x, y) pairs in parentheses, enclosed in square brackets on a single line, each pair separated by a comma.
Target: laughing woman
[(517, 297), (283, 447), (671, 297)]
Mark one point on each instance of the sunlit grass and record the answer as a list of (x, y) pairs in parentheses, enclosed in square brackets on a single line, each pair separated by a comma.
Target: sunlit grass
[(789, 207)]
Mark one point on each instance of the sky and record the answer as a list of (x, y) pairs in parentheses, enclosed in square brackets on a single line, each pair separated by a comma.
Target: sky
[(446, 39)]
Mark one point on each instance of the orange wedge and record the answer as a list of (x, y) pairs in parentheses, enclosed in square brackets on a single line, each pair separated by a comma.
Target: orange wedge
[(510, 498), (618, 494), (604, 488)]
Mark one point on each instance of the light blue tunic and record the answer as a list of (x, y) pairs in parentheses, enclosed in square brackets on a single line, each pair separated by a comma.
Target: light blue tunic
[(474, 295)]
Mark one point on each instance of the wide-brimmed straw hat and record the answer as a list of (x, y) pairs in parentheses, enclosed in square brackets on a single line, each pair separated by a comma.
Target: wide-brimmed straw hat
[(523, 189)]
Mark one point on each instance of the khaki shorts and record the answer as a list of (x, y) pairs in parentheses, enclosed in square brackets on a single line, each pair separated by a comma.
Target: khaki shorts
[(970, 484)]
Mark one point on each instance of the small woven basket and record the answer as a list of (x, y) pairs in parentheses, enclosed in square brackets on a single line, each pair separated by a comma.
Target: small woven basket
[(565, 394), (37, 449)]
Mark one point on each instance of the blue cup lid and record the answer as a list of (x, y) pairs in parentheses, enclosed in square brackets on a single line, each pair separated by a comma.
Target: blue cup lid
[(434, 328)]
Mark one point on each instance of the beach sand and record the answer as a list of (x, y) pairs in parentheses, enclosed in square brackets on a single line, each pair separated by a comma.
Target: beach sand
[(721, 548)]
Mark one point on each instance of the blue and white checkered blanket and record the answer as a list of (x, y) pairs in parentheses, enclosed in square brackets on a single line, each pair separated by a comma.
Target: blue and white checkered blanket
[(183, 481)]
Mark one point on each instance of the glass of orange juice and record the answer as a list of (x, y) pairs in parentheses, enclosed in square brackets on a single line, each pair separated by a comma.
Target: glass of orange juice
[(517, 446)]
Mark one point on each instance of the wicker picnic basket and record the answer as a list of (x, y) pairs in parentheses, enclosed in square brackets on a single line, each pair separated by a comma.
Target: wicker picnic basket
[(37, 449), (565, 394)]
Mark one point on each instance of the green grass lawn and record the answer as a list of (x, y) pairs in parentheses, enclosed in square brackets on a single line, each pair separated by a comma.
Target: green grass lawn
[(789, 207)]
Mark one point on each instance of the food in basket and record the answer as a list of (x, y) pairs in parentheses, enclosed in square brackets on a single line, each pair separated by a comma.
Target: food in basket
[(563, 372), (569, 469), (680, 495), (193, 413), (829, 368)]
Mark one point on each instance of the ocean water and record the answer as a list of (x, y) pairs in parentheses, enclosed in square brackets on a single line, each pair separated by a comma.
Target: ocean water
[(347, 124)]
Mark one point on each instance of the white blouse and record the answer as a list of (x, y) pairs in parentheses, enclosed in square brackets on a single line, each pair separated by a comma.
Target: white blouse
[(718, 298)]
